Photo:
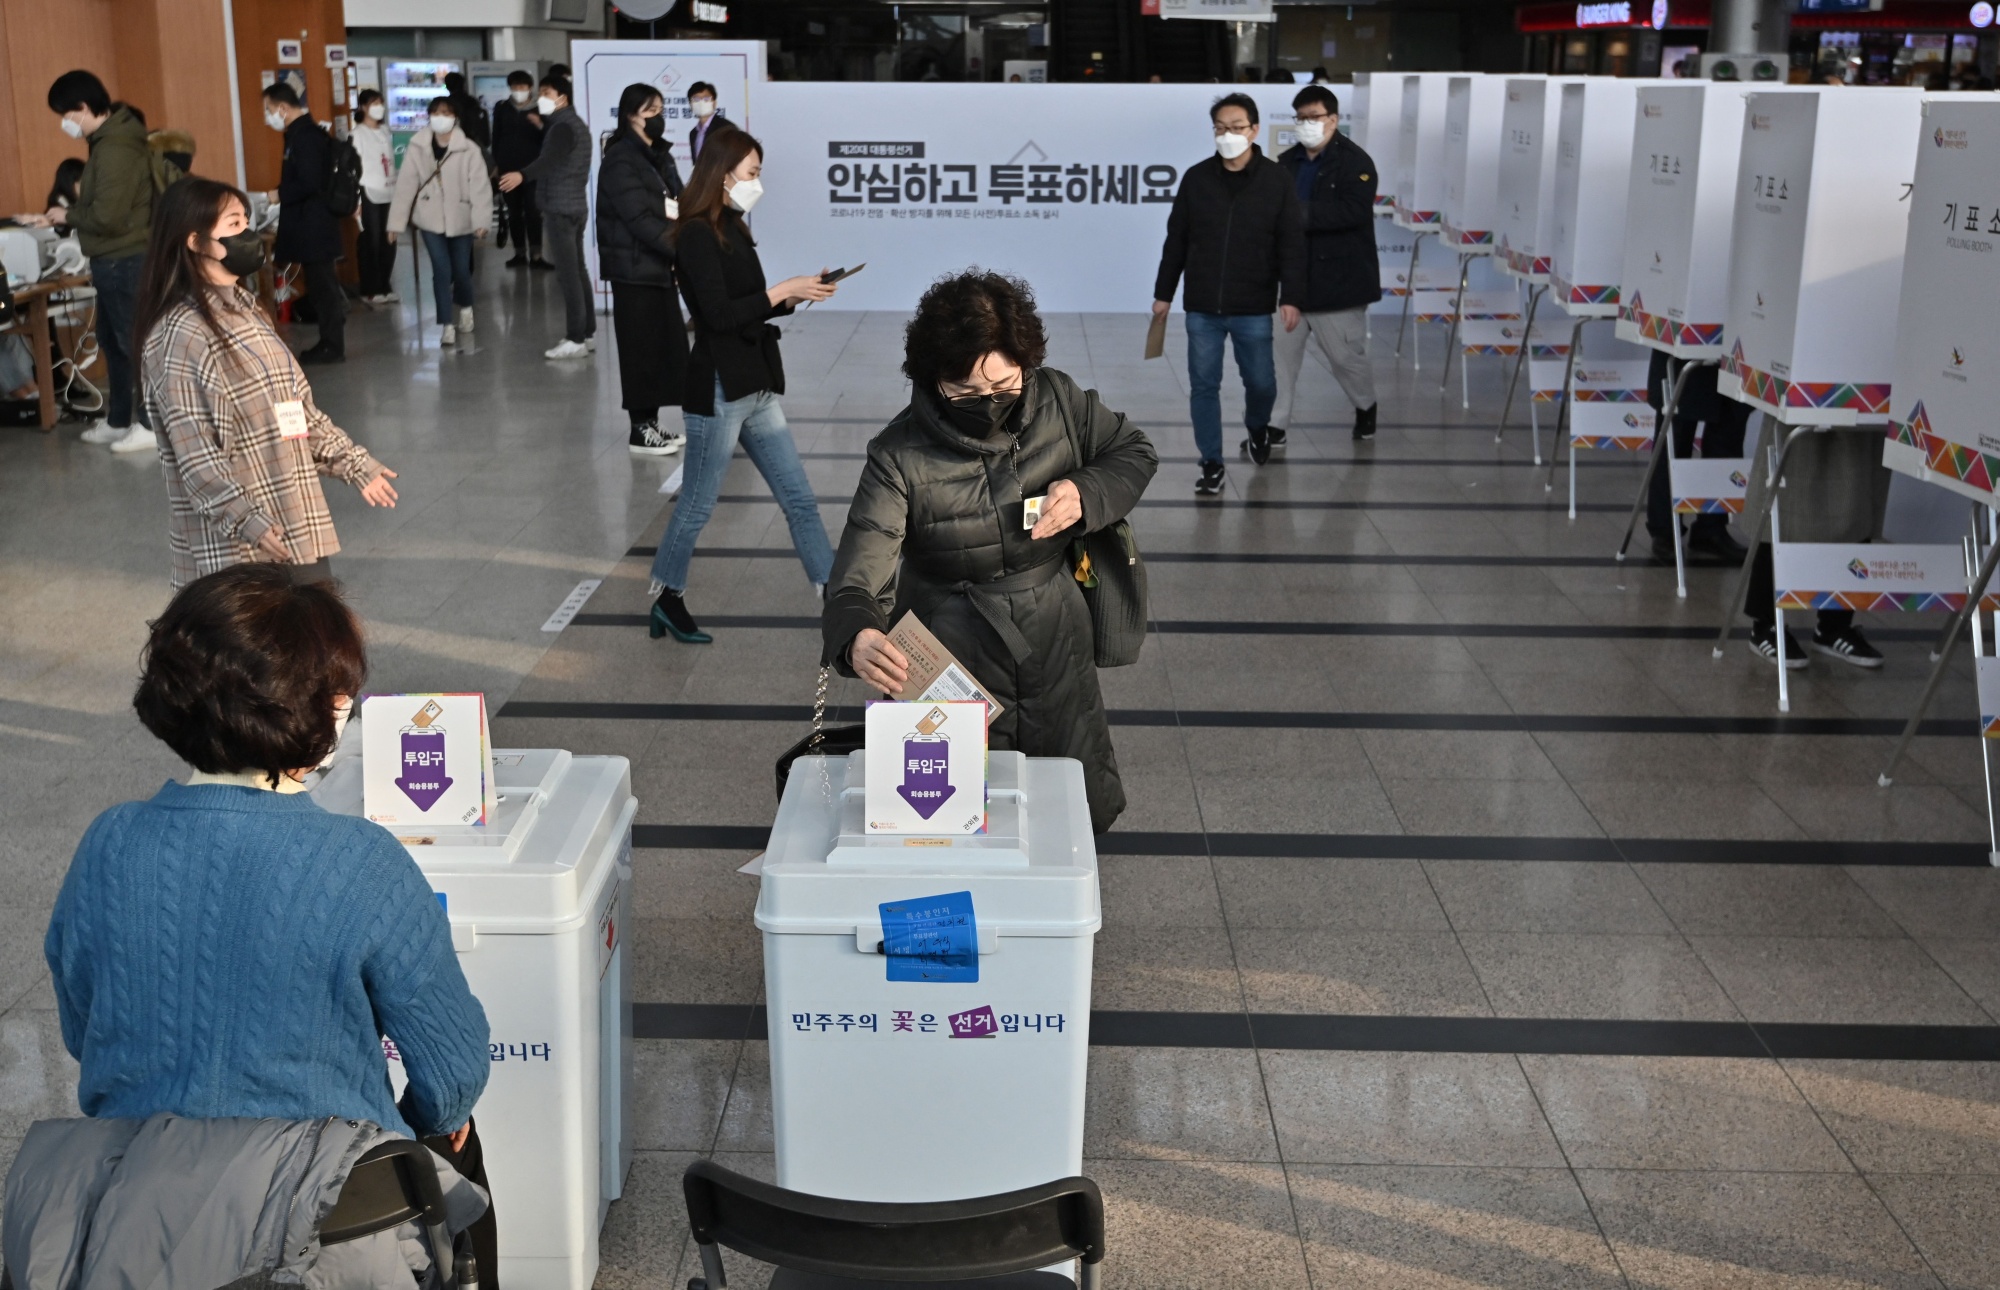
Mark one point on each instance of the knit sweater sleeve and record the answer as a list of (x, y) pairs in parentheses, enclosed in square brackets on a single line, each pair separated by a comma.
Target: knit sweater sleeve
[(65, 947), (421, 999)]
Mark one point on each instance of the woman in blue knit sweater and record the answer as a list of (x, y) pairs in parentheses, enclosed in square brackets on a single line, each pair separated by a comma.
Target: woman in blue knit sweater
[(228, 948)]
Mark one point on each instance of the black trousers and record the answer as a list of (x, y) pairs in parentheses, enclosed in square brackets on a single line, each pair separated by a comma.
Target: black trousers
[(329, 303), (1760, 600), (1726, 420), (524, 222), (377, 252), (652, 348)]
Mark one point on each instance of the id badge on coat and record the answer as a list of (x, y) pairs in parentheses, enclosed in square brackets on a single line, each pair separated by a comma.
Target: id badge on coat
[(291, 419)]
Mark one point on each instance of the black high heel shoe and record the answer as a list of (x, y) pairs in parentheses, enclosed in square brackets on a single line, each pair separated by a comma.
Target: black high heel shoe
[(670, 614)]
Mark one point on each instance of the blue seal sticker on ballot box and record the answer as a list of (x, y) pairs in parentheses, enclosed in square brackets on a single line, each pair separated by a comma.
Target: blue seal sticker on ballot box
[(932, 938)]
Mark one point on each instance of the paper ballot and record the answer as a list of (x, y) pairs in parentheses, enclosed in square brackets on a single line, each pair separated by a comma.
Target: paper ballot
[(935, 676), (1156, 336)]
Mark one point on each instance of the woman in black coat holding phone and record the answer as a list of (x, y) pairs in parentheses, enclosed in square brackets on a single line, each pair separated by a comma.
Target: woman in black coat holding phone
[(638, 192), (734, 374)]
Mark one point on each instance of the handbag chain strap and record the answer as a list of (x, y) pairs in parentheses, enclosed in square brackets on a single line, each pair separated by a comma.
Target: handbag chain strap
[(819, 731)]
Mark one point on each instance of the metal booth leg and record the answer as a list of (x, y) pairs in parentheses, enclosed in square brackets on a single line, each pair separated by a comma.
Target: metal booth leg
[(1521, 362), (1457, 315), (1958, 621), (1662, 443), (1733, 605), (1562, 409), (1409, 290)]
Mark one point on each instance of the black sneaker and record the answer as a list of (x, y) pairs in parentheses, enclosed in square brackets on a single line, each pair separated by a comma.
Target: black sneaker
[(1364, 422), (1764, 644), (1258, 445), (1715, 541), (1210, 482), (648, 440), (1849, 646), (1275, 437), (321, 354), (1663, 552)]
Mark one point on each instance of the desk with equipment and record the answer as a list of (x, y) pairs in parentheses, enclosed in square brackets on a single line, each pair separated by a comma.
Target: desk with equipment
[(42, 271)]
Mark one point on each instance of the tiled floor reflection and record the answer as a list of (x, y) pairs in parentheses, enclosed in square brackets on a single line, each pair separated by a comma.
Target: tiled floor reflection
[(1408, 745)]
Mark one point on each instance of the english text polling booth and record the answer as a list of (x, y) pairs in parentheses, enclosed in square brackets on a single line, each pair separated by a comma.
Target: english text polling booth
[(1816, 255), (1530, 120), (1593, 168), (1674, 289), (1474, 106), (928, 912), (1946, 388), (538, 888)]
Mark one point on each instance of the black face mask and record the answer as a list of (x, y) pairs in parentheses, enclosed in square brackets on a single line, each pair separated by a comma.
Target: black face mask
[(982, 418), (242, 253), (656, 128)]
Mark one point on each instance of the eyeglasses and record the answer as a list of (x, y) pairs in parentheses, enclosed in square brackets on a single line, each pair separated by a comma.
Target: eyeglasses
[(1234, 129), (1320, 117), (975, 402)]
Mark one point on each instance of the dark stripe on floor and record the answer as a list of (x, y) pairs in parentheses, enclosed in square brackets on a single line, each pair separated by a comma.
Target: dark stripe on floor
[(1638, 559), (1251, 627), (1554, 506), (1506, 722), (1530, 1035), (1626, 461), (1399, 846)]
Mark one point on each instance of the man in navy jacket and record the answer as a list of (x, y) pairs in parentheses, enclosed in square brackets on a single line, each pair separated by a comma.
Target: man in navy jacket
[(1336, 185)]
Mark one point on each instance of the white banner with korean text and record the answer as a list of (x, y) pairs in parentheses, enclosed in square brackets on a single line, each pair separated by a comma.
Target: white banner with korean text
[(1067, 186)]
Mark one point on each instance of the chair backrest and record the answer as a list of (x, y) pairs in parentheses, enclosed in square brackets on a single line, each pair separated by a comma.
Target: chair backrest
[(394, 1182), (946, 1240)]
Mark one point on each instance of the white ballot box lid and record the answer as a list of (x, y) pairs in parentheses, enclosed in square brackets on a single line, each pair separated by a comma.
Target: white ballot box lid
[(534, 867), (1032, 873)]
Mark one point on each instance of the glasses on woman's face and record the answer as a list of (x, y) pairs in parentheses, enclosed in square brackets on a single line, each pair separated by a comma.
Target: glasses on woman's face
[(975, 402)]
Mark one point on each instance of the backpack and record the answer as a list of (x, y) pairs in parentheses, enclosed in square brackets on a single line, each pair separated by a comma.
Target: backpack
[(341, 193), (170, 154)]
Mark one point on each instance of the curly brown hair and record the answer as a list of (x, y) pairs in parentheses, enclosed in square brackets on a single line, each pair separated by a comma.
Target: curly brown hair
[(965, 316)]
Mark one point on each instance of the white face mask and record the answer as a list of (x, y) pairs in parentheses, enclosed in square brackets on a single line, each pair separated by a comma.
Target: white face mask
[(376, 112), (1231, 146), (545, 105), (71, 128), (519, 96), (702, 107), (745, 194), (443, 124), (341, 712), (1311, 133), (275, 120)]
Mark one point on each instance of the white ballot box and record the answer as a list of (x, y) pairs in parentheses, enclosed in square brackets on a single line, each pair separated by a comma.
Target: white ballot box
[(1420, 152), (929, 997), (1593, 175), (1525, 200), (1816, 253), (538, 901), (1472, 110), (1947, 375)]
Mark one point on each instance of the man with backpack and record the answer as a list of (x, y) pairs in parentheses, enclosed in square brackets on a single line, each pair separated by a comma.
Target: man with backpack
[(308, 224), (112, 217)]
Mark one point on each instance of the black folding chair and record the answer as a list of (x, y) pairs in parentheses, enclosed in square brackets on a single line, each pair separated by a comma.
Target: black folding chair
[(987, 1243), (393, 1183)]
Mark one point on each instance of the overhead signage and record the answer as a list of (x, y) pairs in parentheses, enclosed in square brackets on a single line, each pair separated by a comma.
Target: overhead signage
[(705, 11), (1612, 13), (1981, 15)]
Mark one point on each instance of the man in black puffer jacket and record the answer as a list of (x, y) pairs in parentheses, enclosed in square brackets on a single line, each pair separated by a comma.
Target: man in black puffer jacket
[(1336, 183), (1236, 232)]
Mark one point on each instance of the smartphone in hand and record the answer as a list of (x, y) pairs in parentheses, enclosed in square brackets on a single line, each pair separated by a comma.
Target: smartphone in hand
[(836, 275)]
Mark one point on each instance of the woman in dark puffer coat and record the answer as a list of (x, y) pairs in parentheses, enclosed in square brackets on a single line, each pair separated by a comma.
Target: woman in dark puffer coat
[(944, 491), (638, 192)]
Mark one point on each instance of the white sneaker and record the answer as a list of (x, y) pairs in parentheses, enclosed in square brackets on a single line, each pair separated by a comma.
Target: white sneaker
[(103, 432), (590, 343), (386, 298), (450, 336), (568, 349), (465, 318), (137, 439)]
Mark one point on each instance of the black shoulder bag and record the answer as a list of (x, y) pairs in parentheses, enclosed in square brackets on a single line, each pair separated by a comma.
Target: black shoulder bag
[(1111, 575)]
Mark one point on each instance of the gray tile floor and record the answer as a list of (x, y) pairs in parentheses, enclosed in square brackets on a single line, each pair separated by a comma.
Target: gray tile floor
[(1366, 785)]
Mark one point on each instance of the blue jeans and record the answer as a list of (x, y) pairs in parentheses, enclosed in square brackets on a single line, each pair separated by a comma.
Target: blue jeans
[(451, 271), (1251, 334), (117, 283), (759, 422)]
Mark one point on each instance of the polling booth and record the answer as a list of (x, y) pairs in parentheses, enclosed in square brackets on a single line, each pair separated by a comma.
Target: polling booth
[(1946, 381), (928, 910), (1419, 172), (1530, 119), (1679, 213), (530, 854), (1474, 107)]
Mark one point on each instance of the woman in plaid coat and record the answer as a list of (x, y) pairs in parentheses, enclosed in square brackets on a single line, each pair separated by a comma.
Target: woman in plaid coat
[(241, 440)]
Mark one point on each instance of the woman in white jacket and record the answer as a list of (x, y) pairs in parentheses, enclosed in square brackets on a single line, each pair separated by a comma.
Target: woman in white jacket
[(378, 189), (443, 189)]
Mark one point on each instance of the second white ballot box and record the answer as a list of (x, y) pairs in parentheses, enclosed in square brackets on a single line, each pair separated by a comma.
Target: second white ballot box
[(957, 1071)]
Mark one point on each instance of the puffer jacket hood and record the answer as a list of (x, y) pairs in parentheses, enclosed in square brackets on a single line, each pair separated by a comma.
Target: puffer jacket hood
[(178, 1204)]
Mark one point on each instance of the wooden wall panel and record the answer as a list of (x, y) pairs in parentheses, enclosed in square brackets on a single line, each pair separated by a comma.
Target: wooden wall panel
[(46, 38), (260, 25)]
